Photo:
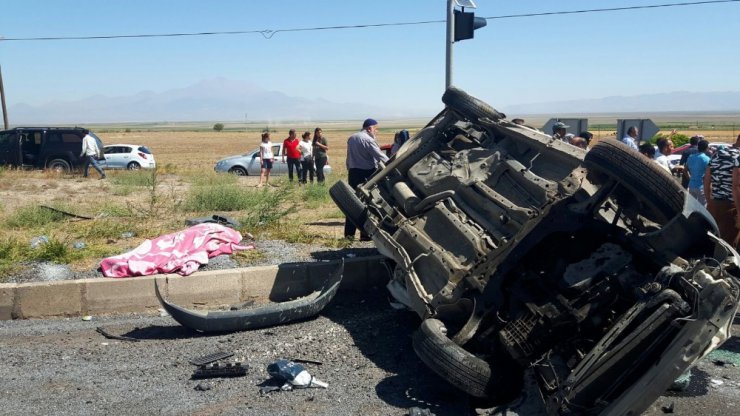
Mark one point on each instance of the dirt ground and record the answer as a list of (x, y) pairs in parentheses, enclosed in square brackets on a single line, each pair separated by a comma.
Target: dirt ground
[(180, 156)]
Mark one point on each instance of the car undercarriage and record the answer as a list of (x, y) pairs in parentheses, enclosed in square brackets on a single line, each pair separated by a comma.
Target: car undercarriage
[(593, 271)]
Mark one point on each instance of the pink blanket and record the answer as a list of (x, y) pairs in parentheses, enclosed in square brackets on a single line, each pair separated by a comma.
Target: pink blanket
[(181, 252)]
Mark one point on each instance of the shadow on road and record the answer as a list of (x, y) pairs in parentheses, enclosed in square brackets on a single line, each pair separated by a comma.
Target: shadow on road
[(383, 335)]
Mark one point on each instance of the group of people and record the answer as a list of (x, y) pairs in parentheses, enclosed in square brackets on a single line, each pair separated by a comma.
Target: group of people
[(560, 132), (582, 140), (710, 176), (307, 156)]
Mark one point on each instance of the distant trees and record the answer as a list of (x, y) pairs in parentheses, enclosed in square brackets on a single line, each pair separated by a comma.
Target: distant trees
[(218, 126)]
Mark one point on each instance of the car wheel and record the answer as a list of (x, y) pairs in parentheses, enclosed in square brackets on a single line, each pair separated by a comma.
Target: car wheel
[(238, 171), (133, 166), (59, 165), (449, 360), (345, 198), (469, 105), (662, 196)]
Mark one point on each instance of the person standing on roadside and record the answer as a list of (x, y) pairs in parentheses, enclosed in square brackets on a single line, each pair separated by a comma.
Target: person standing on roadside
[(696, 168), (320, 156), (692, 149), (559, 131), (631, 138), (665, 147), (90, 152), (720, 189), (306, 149), (398, 141), (363, 156), (266, 159), (290, 149)]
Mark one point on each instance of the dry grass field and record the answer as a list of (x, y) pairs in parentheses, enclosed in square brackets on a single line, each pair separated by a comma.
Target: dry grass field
[(184, 186), (150, 204)]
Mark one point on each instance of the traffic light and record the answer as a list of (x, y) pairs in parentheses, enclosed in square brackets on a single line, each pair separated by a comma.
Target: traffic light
[(466, 24)]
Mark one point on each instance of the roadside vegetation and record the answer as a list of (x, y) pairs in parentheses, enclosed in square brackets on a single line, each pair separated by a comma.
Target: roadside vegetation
[(146, 204)]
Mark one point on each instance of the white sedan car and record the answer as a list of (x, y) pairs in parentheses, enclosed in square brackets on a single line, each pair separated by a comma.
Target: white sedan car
[(248, 164), (128, 156)]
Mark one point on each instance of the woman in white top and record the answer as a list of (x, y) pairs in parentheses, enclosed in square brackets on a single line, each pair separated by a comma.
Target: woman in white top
[(266, 158), (306, 149)]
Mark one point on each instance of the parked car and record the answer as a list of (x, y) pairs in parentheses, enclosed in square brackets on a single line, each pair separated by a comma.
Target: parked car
[(56, 148), (128, 156), (248, 164), (591, 275)]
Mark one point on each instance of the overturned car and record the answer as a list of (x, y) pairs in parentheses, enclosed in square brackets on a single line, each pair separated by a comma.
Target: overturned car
[(594, 273)]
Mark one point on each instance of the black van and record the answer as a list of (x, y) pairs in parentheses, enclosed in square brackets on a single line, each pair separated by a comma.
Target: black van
[(56, 148)]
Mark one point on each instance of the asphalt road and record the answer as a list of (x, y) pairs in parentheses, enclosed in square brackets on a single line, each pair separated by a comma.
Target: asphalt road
[(65, 367)]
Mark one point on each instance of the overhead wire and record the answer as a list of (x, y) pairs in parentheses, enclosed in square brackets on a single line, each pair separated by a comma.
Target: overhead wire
[(269, 33)]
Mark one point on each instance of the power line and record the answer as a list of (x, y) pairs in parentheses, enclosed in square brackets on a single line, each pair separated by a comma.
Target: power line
[(612, 9), (268, 33)]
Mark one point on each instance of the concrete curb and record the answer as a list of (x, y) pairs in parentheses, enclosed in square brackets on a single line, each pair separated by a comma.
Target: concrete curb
[(104, 296)]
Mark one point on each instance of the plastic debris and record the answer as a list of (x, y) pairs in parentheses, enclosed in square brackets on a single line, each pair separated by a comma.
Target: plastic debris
[(294, 375), (682, 382), (79, 245), (204, 386), (210, 358), (87, 318), (221, 370), (716, 382), (37, 242), (418, 411), (127, 234)]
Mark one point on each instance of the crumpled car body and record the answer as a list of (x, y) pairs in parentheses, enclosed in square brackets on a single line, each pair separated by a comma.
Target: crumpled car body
[(594, 272)]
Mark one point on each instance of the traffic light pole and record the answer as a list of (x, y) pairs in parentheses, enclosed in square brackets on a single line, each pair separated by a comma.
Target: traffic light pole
[(450, 41), (2, 99)]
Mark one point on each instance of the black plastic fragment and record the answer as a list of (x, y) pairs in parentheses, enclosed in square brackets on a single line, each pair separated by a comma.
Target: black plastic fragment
[(219, 370), (207, 359)]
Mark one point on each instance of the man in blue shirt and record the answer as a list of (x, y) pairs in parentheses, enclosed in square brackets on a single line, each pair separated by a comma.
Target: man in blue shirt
[(696, 168)]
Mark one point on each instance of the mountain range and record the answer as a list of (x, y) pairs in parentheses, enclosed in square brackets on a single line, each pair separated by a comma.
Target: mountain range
[(679, 101), (222, 99), (217, 99)]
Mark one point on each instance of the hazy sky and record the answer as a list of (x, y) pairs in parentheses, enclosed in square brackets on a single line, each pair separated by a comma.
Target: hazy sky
[(511, 61)]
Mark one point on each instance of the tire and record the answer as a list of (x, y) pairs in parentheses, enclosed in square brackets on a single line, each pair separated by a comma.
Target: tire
[(648, 182), (345, 198), (469, 105), (59, 165), (459, 367), (238, 171), (133, 166)]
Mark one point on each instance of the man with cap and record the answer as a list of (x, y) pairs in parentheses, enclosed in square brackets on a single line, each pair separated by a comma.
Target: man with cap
[(363, 155), (559, 132)]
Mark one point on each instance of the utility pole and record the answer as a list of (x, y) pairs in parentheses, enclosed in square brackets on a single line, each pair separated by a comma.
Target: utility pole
[(2, 98), (450, 42)]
